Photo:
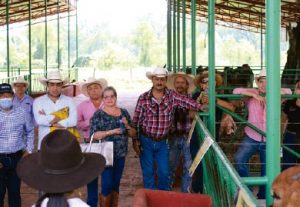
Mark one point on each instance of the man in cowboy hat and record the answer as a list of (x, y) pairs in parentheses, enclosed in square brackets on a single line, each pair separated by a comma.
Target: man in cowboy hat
[(21, 98), (93, 89), (16, 140), (253, 141), (58, 168), (45, 106), (183, 84), (153, 117)]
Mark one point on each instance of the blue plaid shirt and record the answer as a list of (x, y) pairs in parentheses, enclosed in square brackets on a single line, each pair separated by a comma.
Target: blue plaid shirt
[(17, 132)]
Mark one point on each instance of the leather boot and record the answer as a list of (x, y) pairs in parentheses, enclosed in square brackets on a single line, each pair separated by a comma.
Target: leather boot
[(105, 201), (115, 199)]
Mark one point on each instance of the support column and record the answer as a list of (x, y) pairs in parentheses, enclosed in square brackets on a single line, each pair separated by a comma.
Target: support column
[(193, 32)]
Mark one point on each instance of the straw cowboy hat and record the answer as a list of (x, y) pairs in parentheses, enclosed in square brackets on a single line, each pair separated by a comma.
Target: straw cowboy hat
[(101, 81), (286, 188), (158, 72), (202, 76), (189, 78), (262, 74), (60, 166), (20, 80), (53, 77)]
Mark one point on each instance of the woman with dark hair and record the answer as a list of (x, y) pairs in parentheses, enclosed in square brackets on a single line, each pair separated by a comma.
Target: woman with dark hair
[(58, 168), (112, 123)]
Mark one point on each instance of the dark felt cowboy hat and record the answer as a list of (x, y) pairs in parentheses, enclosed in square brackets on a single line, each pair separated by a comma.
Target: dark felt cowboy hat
[(60, 166)]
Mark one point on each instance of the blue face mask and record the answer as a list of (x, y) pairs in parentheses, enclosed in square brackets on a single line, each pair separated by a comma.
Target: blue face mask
[(6, 103)]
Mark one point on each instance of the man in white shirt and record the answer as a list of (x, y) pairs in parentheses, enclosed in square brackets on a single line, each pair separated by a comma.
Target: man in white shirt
[(45, 106)]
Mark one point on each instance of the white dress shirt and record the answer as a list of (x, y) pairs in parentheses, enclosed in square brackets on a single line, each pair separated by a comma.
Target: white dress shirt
[(45, 104)]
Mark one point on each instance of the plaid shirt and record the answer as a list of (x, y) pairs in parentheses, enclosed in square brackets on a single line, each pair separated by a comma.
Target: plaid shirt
[(16, 131), (155, 119)]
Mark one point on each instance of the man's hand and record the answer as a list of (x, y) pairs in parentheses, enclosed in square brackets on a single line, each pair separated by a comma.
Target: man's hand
[(136, 146), (54, 121)]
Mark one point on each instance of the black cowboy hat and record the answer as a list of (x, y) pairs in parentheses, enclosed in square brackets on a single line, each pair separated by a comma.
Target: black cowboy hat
[(60, 166)]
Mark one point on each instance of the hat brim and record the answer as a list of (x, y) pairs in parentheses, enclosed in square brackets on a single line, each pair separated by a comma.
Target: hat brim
[(188, 77), (21, 82), (35, 176), (150, 75), (102, 82), (199, 77), (44, 81)]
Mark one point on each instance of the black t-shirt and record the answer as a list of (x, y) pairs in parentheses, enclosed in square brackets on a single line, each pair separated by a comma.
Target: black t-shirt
[(293, 113)]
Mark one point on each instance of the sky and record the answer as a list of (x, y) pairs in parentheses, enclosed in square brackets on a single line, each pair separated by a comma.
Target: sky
[(121, 15)]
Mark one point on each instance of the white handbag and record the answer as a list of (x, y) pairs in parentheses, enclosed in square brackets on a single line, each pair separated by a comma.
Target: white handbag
[(104, 148)]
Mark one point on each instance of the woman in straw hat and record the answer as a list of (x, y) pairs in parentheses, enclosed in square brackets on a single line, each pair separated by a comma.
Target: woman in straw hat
[(58, 168)]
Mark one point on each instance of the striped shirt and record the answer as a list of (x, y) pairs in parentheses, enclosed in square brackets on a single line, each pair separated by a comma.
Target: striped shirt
[(26, 103), (17, 133), (45, 104), (154, 118)]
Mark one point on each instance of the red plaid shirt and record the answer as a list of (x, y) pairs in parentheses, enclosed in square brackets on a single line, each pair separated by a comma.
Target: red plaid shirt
[(155, 119)]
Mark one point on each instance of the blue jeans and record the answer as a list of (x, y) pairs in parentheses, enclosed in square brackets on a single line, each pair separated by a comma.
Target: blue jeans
[(158, 153), (179, 146), (111, 177), (9, 179), (92, 193), (246, 150), (292, 141)]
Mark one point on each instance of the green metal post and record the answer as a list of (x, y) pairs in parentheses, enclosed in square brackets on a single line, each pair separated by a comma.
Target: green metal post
[(184, 35), (46, 37), (69, 50), (174, 36), (273, 93), (76, 37), (211, 66), (7, 40), (178, 34), (261, 43), (29, 42), (193, 40), (169, 36), (58, 43)]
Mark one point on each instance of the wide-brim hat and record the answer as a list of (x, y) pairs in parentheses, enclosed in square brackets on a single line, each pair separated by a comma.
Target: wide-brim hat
[(188, 77), (158, 72), (198, 79), (20, 80), (53, 77), (60, 166), (262, 74), (101, 81)]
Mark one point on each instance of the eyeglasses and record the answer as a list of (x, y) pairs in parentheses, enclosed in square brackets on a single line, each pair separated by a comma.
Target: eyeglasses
[(109, 97)]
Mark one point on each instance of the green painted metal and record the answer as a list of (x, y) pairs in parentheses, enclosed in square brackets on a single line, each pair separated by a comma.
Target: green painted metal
[(296, 154), (178, 35), (273, 11), (29, 46), (211, 66), (193, 33), (46, 37), (76, 27), (169, 36), (261, 43), (69, 36), (255, 180), (184, 35), (58, 39), (7, 39), (174, 36)]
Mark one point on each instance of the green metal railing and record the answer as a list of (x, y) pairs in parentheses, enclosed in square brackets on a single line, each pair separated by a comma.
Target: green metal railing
[(221, 181)]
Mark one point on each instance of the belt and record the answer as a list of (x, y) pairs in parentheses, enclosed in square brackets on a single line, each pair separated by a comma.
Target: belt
[(15, 154), (156, 139)]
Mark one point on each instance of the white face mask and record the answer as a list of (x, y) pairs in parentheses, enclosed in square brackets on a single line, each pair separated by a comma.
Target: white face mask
[(6, 103)]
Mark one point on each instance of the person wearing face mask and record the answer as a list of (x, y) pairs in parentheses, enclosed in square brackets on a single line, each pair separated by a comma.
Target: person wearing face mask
[(16, 140)]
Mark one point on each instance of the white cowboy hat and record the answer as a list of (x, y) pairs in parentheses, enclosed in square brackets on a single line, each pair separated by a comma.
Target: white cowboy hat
[(188, 77), (101, 81), (53, 77), (20, 80), (262, 74), (158, 72)]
